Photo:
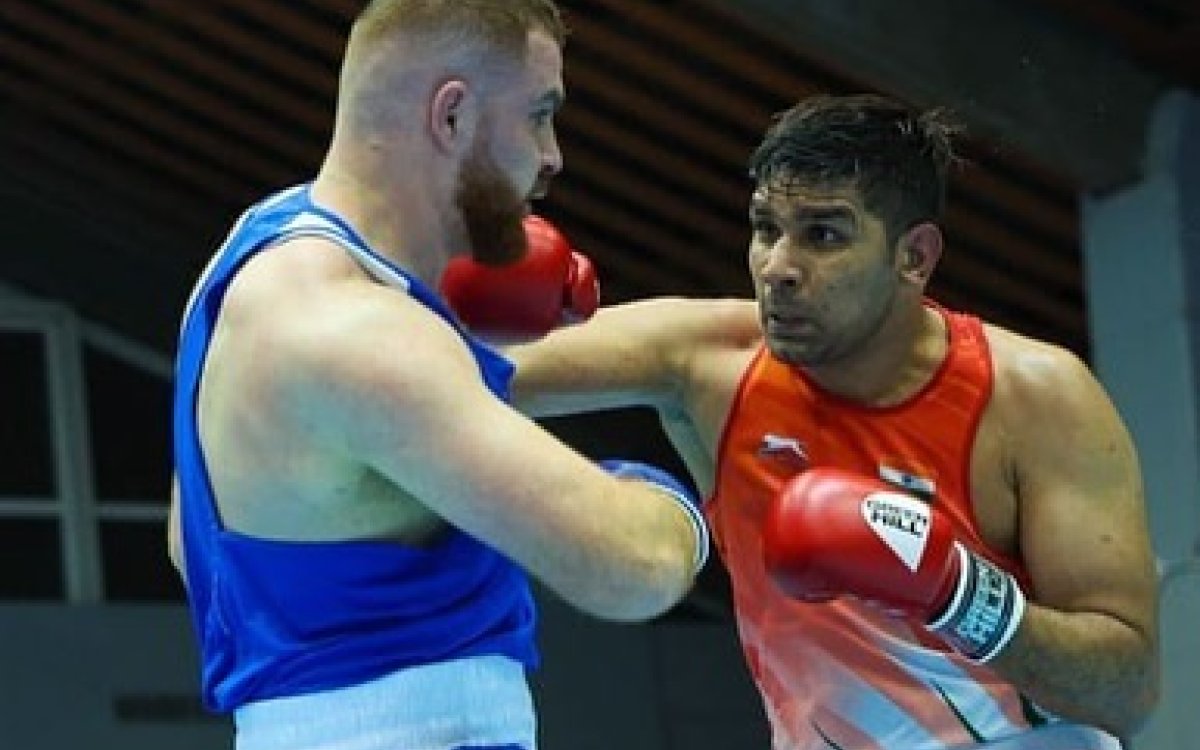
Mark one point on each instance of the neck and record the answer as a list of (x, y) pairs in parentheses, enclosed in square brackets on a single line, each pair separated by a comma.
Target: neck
[(893, 364), (393, 213)]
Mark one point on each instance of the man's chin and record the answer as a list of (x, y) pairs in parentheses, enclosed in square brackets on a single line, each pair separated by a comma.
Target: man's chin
[(790, 352), (501, 243)]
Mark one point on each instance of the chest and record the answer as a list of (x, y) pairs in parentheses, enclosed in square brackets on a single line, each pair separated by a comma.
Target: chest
[(274, 475), (945, 447)]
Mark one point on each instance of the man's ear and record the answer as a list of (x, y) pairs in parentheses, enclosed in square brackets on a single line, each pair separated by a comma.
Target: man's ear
[(920, 250), (447, 110)]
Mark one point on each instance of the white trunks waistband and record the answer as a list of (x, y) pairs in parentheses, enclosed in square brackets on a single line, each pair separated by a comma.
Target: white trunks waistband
[(472, 702)]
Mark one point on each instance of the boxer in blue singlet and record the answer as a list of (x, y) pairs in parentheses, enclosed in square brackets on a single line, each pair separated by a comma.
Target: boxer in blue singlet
[(356, 507)]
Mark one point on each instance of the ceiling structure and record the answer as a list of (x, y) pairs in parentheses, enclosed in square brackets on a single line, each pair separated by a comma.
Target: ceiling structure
[(132, 132), (156, 121), (1162, 35)]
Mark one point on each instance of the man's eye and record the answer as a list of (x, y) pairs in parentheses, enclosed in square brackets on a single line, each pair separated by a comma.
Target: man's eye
[(820, 235), (764, 229)]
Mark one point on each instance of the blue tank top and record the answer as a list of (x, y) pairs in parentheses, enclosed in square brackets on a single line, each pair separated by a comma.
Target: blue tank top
[(284, 618)]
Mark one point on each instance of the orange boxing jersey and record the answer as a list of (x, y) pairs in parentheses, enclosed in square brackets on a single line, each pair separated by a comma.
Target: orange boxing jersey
[(843, 675)]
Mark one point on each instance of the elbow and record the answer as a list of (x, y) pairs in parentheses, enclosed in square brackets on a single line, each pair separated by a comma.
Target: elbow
[(1122, 721), (666, 578), (1149, 692), (666, 586), (640, 571), (668, 567), (648, 589), (1127, 712), (1145, 709), (1140, 707)]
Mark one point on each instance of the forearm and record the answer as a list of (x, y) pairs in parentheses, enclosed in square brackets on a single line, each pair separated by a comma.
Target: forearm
[(1088, 667), (635, 574), (618, 359), (540, 402), (550, 386)]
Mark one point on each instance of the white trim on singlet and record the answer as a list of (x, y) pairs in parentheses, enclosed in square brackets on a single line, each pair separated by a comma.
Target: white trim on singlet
[(310, 224), (305, 224), (220, 253), (477, 701)]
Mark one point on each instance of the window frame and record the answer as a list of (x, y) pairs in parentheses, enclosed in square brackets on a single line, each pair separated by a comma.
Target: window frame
[(75, 504)]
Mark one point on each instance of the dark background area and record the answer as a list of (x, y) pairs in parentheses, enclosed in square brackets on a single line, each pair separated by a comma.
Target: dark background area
[(132, 132)]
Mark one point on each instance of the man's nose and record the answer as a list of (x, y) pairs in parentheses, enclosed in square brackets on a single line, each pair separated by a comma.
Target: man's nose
[(552, 159), (780, 267)]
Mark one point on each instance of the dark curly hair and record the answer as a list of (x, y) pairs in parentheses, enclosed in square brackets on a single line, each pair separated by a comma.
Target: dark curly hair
[(897, 158)]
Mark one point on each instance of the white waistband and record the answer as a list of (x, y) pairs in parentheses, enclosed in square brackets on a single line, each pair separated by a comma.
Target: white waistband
[(478, 701)]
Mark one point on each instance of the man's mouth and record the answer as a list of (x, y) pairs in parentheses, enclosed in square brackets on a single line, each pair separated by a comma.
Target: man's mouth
[(789, 325)]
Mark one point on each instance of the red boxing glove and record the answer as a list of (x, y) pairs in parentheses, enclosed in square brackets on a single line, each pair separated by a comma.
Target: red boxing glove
[(549, 286), (830, 532)]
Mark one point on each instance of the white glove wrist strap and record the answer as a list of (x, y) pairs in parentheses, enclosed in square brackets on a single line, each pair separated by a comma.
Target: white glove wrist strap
[(985, 611)]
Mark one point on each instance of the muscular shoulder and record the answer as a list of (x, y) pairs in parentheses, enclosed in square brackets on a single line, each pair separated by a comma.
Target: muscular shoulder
[(320, 334), (1033, 374), (1054, 411)]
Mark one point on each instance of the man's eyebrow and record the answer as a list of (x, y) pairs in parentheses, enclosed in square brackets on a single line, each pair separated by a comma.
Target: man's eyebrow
[(824, 213), (761, 207)]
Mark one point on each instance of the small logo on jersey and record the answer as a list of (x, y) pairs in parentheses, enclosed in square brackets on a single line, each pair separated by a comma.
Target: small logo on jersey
[(914, 483), (901, 521), (787, 449)]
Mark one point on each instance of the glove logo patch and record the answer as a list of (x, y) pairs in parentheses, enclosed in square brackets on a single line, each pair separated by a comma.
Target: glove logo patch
[(901, 522)]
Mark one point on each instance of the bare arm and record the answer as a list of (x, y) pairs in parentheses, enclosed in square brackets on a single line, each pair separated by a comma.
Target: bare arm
[(386, 382), (1087, 648), (638, 353)]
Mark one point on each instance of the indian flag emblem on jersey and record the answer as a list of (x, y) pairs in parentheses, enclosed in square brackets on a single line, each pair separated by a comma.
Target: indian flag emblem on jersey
[(910, 482)]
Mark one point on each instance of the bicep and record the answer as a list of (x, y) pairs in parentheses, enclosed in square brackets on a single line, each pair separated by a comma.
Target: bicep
[(637, 353), (607, 362), (1083, 528), (488, 470), (423, 418)]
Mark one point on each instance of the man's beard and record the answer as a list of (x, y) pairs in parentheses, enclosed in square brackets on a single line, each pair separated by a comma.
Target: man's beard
[(492, 210)]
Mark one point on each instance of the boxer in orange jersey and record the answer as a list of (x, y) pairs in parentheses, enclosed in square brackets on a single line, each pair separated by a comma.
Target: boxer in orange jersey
[(934, 527)]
